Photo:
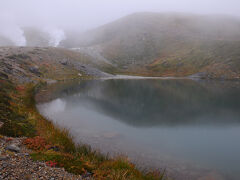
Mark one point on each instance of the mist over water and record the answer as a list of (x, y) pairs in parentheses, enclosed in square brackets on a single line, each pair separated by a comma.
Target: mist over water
[(185, 126)]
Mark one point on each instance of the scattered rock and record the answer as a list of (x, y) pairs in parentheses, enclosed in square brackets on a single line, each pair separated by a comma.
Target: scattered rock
[(200, 75), (54, 148), (4, 165), (21, 166), (1, 124), (64, 62), (86, 175), (23, 154), (165, 64), (3, 158), (34, 70), (13, 148), (180, 64), (3, 75)]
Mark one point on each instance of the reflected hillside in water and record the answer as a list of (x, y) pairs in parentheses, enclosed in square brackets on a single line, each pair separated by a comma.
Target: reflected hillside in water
[(147, 103)]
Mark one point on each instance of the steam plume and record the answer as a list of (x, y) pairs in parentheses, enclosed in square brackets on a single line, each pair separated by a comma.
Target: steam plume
[(55, 36), (10, 30)]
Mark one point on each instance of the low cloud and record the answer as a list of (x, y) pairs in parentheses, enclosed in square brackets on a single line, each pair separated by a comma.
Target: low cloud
[(78, 16)]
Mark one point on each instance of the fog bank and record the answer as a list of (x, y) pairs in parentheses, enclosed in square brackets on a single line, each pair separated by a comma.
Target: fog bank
[(56, 16)]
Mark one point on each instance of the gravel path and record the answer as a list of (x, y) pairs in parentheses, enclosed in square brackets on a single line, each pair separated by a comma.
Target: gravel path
[(15, 163)]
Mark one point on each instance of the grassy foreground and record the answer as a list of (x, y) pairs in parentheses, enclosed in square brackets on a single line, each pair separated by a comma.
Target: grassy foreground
[(55, 145)]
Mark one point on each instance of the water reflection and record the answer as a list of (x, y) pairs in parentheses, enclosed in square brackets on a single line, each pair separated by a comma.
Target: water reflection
[(161, 102), (168, 123)]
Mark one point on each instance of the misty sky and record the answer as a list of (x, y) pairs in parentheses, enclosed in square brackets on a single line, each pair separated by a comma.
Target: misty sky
[(85, 14)]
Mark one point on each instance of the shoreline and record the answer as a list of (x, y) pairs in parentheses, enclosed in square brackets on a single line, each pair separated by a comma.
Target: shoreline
[(198, 78), (74, 158), (45, 128), (140, 77)]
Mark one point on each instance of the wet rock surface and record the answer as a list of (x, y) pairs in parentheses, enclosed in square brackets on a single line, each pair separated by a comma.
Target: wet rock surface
[(15, 163)]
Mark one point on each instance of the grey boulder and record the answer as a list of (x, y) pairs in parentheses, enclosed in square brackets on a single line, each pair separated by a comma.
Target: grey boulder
[(13, 148)]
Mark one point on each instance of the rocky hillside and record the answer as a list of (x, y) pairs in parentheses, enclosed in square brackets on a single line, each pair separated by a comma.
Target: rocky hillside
[(26, 64), (169, 44)]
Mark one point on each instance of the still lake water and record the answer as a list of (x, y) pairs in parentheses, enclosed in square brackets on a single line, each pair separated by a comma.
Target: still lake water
[(191, 128)]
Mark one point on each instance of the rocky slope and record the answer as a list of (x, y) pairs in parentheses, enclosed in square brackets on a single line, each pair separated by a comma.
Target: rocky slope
[(169, 44), (26, 64)]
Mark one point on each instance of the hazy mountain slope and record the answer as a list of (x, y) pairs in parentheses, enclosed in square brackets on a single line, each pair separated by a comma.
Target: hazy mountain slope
[(170, 44), (153, 44)]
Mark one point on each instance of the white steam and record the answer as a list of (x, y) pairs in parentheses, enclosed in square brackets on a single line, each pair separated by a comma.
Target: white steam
[(55, 36), (12, 33), (15, 34), (10, 30)]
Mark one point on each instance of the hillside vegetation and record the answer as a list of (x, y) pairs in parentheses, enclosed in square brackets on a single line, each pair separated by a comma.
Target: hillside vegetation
[(160, 44)]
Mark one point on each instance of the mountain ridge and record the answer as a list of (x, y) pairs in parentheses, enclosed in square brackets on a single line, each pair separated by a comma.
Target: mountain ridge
[(155, 44), (159, 44)]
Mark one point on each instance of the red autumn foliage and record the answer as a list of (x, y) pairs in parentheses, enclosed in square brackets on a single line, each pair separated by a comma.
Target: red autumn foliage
[(37, 143), (51, 163)]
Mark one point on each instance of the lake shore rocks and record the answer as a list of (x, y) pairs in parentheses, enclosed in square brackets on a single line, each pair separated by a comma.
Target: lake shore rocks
[(16, 163)]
